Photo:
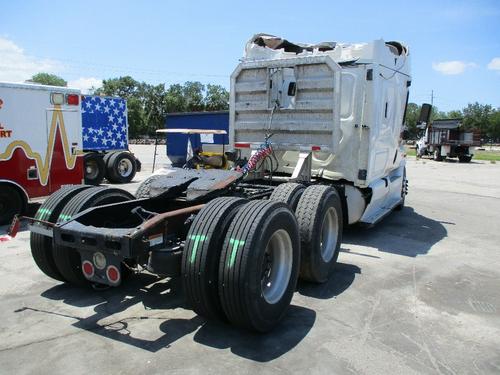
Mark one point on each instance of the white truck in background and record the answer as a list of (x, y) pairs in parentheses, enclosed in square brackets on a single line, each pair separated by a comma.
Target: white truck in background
[(316, 131)]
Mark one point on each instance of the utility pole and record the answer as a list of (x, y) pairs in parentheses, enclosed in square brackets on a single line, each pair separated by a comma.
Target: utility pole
[(432, 97)]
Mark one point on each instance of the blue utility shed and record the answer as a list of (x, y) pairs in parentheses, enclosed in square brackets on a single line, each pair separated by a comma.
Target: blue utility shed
[(177, 143)]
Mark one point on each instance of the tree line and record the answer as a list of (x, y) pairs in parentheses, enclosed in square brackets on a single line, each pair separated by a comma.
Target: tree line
[(148, 105)]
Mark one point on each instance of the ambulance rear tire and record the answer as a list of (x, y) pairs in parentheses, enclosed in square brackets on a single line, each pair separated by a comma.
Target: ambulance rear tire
[(94, 168), (121, 167), (11, 203)]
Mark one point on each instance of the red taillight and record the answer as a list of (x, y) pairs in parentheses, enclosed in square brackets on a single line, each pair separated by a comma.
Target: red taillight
[(315, 148), (242, 145), (88, 269), (113, 274), (72, 99)]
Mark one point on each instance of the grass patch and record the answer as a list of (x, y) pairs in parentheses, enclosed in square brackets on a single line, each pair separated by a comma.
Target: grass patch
[(486, 155), (411, 152)]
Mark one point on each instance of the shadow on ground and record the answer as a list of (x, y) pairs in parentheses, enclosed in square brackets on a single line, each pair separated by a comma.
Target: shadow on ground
[(161, 295), (341, 279), (405, 233)]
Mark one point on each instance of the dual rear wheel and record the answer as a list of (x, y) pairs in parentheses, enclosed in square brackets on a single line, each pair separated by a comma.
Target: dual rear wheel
[(64, 263), (116, 167), (241, 260)]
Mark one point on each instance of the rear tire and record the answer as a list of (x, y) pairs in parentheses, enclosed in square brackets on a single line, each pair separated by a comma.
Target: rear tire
[(121, 167), (465, 158), (105, 159), (67, 259), (288, 193), (94, 168), (11, 203), (259, 265), (437, 155), (319, 214), (41, 246), (200, 259)]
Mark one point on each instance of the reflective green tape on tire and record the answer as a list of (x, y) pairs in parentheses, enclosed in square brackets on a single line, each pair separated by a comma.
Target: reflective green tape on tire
[(235, 243)]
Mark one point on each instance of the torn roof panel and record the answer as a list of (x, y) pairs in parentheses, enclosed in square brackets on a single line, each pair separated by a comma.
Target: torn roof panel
[(269, 47)]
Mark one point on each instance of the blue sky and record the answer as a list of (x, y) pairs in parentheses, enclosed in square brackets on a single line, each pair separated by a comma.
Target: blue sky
[(455, 45)]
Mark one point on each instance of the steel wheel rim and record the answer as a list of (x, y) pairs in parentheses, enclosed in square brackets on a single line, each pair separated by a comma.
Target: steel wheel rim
[(125, 167), (329, 234), (91, 169), (277, 266)]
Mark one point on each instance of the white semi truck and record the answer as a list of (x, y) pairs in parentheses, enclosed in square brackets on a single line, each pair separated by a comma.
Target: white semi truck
[(316, 136)]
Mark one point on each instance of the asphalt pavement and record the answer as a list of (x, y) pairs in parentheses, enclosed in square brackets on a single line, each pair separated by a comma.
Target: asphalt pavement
[(418, 293)]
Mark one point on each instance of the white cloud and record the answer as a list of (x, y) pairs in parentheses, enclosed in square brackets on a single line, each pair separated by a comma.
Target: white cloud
[(17, 66), (452, 67), (494, 64), (85, 84)]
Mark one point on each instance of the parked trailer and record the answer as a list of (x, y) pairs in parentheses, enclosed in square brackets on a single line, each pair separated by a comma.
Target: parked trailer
[(317, 135), (44, 146)]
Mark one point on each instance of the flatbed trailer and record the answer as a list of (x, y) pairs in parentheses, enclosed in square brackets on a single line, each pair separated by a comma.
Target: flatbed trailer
[(316, 131)]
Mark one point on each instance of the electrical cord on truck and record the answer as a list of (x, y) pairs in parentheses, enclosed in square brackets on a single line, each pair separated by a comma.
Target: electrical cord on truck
[(265, 149), (263, 152)]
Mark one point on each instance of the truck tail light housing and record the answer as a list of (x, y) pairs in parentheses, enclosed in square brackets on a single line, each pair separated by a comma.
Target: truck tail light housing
[(72, 99), (113, 274), (88, 269)]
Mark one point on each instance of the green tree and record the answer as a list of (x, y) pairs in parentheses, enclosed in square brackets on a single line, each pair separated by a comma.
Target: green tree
[(217, 98), (456, 113), (494, 129), (436, 114), (194, 95), (131, 90), (124, 87), (412, 114), (48, 79), (155, 106), (477, 116), (174, 99), (148, 104)]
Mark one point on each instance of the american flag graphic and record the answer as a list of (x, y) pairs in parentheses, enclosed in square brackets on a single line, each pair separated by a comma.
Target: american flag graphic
[(104, 123)]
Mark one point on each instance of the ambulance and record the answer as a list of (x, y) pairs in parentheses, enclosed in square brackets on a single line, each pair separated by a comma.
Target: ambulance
[(40, 143)]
